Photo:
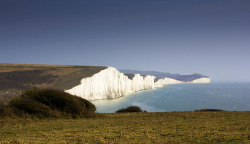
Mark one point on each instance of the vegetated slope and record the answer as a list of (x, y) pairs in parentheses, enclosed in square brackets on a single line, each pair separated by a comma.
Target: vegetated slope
[(158, 75), (18, 77), (25, 79), (26, 76)]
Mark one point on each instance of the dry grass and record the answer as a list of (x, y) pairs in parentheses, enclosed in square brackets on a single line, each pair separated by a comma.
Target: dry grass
[(169, 127), (21, 67)]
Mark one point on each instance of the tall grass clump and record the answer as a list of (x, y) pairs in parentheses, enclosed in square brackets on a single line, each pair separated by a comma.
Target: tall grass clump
[(51, 103), (129, 109)]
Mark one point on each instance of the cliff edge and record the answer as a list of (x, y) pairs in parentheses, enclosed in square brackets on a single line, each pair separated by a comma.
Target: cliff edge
[(110, 83), (89, 82)]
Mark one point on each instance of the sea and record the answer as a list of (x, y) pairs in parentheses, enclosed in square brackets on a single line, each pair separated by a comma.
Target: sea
[(183, 97)]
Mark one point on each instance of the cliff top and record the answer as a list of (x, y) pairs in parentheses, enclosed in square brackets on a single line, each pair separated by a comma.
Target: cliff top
[(25, 76)]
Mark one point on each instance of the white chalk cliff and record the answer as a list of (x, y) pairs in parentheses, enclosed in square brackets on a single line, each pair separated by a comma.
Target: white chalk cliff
[(110, 83), (201, 80), (165, 81)]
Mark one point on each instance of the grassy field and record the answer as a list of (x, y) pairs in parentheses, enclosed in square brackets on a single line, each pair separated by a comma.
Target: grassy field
[(169, 127)]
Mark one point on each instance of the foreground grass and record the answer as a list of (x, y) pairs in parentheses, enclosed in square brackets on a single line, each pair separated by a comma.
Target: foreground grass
[(169, 127)]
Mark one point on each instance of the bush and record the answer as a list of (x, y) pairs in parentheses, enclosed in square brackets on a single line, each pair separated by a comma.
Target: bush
[(8, 111), (30, 106), (56, 100), (49, 102), (130, 109), (89, 105), (208, 110)]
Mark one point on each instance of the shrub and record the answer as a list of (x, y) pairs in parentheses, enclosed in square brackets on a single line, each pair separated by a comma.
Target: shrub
[(56, 100), (208, 110), (49, 102), (89, 105), (30, 106), (129, 109), (8, 111)]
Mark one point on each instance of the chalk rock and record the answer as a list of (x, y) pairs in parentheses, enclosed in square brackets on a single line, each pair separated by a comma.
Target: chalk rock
[(110, 83)]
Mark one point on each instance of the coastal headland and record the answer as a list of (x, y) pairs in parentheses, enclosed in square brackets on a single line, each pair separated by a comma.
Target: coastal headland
[(89, 82)]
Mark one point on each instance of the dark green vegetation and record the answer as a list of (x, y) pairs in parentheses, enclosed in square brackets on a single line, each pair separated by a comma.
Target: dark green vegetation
[(168, 127), (47, 103), (208, 110), (14, 78), (129, 109)]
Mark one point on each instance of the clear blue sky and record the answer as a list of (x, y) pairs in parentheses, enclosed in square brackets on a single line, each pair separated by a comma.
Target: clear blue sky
[(211, 37)]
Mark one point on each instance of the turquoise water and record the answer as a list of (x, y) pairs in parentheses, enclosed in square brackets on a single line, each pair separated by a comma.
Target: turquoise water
[(184, 97)]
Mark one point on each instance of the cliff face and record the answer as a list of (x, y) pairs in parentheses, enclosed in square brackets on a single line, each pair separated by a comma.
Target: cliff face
[(201, 80), (164, 81), (110, 83), (89, 82)]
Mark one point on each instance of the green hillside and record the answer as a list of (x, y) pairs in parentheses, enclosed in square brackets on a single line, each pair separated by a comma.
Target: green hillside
[(14, 78)]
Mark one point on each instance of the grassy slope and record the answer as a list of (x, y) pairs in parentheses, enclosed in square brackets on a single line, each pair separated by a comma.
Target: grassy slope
[(16, 77), (63, 73), (169, 127)]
